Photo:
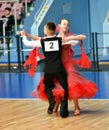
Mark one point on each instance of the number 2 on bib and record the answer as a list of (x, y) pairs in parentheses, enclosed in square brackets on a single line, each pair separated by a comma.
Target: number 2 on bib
[(51, 45)]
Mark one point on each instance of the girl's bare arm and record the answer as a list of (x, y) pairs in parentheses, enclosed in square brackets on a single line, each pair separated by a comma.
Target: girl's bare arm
[(77, 37)]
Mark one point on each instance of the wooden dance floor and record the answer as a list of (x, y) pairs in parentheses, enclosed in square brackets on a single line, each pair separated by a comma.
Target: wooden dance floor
[(20, 111), (31, 114)]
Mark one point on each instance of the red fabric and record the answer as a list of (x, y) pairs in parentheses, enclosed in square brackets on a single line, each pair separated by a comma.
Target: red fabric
[(32, 61), (40, 90), (84, 61), (78, 86), (57, 28)]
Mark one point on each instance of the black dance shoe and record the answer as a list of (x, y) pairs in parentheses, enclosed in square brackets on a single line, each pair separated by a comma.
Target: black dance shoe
[(50, 110), (64, 109), (64, 114)]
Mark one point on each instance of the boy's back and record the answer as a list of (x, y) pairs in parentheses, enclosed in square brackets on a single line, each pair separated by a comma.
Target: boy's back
[(52, 50)]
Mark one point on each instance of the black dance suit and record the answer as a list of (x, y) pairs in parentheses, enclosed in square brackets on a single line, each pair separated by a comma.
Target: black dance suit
[(53, 68)]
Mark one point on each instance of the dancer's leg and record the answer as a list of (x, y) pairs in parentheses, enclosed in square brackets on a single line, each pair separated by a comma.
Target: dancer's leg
[(76, 107), (62, 78), (48, 80)]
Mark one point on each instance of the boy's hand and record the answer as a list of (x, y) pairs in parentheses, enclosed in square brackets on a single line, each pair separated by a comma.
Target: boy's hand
[(23, 33)]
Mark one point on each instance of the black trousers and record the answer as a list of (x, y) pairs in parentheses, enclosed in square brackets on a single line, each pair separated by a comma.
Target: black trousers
[(49, 83)]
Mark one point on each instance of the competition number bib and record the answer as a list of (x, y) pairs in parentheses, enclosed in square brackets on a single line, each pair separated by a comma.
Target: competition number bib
[(51, 45)]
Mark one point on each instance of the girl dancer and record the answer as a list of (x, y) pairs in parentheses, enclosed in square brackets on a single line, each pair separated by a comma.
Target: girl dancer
[(78, 86)]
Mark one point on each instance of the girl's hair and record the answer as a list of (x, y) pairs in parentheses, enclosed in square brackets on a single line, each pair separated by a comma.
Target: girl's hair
[(64, 19)]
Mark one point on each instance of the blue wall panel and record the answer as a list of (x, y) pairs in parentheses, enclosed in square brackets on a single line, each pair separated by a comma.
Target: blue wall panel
[(77, 11)]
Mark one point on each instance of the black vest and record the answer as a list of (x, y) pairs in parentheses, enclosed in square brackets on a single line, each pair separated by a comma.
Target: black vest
[(52, 52)]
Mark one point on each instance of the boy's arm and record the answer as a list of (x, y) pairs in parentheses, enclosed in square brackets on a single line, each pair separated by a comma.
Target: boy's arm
[(77, 37), (28, 43), (30, 36)]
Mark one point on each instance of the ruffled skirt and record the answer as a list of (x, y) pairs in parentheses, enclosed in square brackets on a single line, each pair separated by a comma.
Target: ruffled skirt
[(78, 87)]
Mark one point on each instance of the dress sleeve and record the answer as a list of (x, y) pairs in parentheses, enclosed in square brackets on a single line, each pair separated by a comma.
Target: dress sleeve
[(35, 43)]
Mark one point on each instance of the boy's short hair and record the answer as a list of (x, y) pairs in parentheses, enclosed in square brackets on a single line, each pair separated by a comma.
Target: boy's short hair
[(51, 26), (7, 8)]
